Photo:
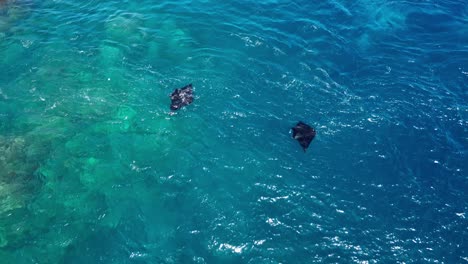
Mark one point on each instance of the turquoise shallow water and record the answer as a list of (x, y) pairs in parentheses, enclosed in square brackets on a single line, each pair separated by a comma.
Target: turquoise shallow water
[(94, 169)]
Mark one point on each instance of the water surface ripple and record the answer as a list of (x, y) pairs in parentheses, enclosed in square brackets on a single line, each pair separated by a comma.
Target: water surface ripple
[(94, 169)]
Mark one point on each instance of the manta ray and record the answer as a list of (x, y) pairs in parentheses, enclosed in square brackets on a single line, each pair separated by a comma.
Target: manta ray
[(181, 97), (304, 134)]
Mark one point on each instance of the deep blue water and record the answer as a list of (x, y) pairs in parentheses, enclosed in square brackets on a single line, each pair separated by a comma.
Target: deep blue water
[(95, 169)]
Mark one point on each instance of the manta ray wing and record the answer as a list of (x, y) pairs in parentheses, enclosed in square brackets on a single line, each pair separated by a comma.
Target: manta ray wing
[(304, 134), (181, 97)]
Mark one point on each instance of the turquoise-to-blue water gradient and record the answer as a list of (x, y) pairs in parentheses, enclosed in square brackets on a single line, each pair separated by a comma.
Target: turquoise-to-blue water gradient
[(94, 168)]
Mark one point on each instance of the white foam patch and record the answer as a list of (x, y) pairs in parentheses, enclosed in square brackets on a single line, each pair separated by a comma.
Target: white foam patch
[(273, 222), (461, 215), (232, 248)]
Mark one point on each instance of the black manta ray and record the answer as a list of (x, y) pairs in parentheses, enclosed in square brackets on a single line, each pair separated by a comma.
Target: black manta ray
[(181, 97), (304, 134)]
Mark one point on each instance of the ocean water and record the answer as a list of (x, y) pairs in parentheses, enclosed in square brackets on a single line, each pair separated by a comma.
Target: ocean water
[(95, 169)]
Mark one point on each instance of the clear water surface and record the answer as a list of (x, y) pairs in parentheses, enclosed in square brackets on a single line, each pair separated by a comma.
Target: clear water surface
[(94, 169)]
